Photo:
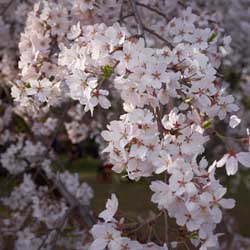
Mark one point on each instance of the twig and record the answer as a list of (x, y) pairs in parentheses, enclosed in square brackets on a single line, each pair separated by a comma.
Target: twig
[(166, 226), (182, 4), (121, 10), (60, 228), (44, 241), (138, 19), (157, 237), (186, 245), (145, 223), (6, 7), (83, 210), (72, 200), (159, 37), (157, 114), (126, 16), (141, 27), (150, 233), (152, 9)]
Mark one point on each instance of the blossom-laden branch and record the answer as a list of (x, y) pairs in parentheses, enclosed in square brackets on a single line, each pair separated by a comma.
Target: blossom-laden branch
[(169, 87)]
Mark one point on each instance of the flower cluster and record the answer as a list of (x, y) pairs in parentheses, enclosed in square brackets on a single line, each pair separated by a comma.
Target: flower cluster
[(134, 143), (22, 155), (159, 60), (89, 64), (108, 234), (194, 197), (152, 77), (29, 201)]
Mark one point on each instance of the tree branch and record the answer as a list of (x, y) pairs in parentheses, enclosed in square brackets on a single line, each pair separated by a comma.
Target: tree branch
[(121, 10), (83, 210), (141, 27), (125, 17), (59, 229), (159, 37), (7, 7), (153, 10), (166, 226), (138, 19)]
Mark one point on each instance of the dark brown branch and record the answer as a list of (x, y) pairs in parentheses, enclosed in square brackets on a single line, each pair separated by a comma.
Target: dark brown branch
[(43, 241), (138, 19), (158, 118), (59, 229), (83, 210), (159, 37), (7, 7), (145, 223), (153, 10), (141, 27), (121, 10), (166, 227), (126, 16)]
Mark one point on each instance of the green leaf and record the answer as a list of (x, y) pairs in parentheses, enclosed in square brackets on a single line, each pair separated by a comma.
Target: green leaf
[(107, 70), (207, 123), (193, 235), (27, 85), (187, 100), (212, 37)]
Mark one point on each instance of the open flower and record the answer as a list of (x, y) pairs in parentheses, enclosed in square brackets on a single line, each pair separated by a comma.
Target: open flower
[(234, 121), (41, 89), (111, 208), (103, 236), (231, 160)]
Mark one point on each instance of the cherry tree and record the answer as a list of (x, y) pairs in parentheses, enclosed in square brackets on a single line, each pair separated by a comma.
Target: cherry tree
[(146, 79)]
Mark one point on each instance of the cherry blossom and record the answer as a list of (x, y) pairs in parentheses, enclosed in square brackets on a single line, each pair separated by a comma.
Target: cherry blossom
[(111, 208), (234, 121), (231, 160)]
